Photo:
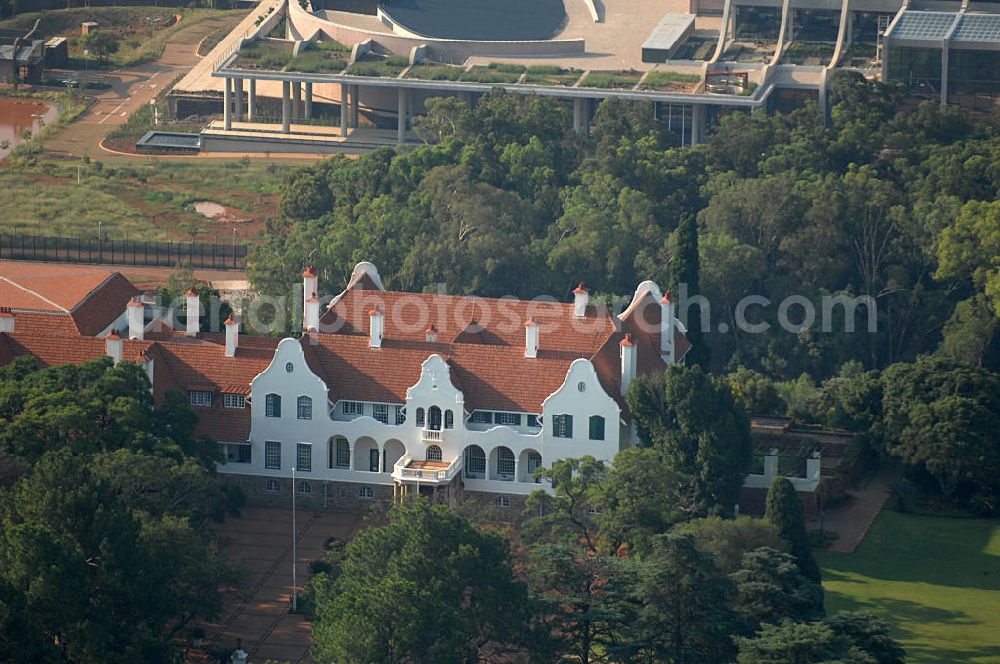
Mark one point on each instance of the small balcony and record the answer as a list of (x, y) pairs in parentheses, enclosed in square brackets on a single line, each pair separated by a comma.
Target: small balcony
[(431, 436), (426, 472)]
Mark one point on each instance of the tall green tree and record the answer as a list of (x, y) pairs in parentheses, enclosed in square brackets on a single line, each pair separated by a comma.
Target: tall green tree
[(685, 279), (702, 432), (685, 613), (943, 417), (784, 510), (846, 637), (771, 588), (108, 580), (426, 587)]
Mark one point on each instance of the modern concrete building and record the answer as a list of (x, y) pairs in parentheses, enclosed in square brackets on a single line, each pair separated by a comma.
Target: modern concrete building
[(336, 80)]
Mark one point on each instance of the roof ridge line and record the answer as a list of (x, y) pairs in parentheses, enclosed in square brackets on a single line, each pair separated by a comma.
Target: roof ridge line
[(38, 295)]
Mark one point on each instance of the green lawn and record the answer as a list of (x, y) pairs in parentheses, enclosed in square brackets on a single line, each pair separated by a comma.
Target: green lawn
[(937, 580)]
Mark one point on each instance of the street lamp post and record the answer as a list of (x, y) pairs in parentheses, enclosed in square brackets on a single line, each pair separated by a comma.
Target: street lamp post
[(295, 592)]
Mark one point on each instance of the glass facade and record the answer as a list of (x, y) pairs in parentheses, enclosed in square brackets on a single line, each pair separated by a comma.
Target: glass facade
[(919, 69)]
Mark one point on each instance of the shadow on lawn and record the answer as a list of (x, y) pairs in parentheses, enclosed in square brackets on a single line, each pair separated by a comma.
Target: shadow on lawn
[(934, 550)]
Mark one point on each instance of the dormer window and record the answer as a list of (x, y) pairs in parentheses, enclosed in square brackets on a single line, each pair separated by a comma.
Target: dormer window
[(353, 408), (508, 419)]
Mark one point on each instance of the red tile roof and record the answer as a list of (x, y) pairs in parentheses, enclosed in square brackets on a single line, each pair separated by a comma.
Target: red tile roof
[(481, 339), (88, 301)]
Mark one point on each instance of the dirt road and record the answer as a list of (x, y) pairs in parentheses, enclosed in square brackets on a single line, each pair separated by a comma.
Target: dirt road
[(134, 86)]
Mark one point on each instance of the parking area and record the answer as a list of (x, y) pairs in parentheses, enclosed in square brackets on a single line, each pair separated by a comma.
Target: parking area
[(259, 544)]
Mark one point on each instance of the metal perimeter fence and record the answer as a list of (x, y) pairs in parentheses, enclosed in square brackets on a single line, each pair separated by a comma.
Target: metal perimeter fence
[(153, 253)]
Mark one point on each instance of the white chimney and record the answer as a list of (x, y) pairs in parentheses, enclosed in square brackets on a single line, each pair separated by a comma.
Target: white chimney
[(531, 338), (432, 334), (232, 336), (629, 353), (667, 328), (310, 314), (310, 282), (581, 296), (771, 463), (193, 313), (6, 320), (114, 346), (136, 318), (814, 465), (376, 327)]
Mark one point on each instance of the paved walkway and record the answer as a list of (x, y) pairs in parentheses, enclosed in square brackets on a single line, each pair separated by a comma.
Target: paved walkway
[(852, 521), (133, 87), (259, 544)]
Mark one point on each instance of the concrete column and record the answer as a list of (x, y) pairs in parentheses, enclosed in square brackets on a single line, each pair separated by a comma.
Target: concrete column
[(403, 105), (697, 120), (849, 37), (227, 105), (944, 73), (296, 100), (286, 120), (344, 109), (252, 100), (309, 101), (238, 99), (578, 116), (355, 104), (586, 116)]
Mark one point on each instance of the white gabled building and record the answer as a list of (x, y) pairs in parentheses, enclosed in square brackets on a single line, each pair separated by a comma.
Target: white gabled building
[(388, 394), (408, 392)]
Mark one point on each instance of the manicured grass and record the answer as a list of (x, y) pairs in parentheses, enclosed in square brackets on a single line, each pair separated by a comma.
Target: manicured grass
[(935, 579)]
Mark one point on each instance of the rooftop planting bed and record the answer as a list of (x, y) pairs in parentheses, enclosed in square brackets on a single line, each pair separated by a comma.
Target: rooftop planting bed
[(268, 55), (670, 81), (613, 80), (552, 75), (379, 67), (435, 72), (495, 72)]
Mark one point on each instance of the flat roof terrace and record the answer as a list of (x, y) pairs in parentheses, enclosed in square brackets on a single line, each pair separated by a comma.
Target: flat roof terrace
[(487, 20)]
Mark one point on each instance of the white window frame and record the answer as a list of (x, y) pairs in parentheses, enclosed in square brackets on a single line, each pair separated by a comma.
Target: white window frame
[(503, 501), (506, 467), (337, 448), (400, 415), (272, 447), (366, 492), (272, 486), (562, 426), (352, 407), (231, 400), (304, 488), (481, 417), (200, 398), (380, 412)]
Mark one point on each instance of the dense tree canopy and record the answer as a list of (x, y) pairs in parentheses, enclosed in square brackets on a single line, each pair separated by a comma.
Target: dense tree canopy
[(426, 587), (102, 549)]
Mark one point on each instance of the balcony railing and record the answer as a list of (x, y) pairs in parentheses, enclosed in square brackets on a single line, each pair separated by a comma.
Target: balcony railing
[(431, 435), (400, 471)]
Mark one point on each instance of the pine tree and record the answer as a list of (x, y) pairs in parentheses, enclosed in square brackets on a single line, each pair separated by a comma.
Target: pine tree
[(784, 511), (684, 270)]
